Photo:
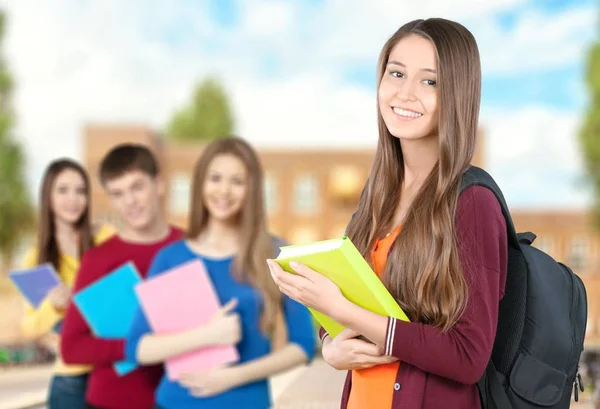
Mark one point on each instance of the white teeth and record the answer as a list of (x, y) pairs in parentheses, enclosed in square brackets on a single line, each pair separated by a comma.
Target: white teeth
[(409, 114), (222, 204)]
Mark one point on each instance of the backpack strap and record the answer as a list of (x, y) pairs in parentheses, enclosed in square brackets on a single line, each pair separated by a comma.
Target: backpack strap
[(493, 395), (475, 176)]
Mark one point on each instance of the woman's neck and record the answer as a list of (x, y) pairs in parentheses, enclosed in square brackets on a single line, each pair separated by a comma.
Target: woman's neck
[(217, 231), (419, 156), (65, 230), (218, 239), (67, 237)]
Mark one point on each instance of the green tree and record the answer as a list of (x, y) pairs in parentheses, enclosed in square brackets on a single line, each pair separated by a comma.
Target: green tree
[(208, 116), (590, 132), (16, 213)]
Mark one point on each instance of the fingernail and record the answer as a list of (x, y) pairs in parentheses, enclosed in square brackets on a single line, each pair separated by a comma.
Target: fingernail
[(294, 265)]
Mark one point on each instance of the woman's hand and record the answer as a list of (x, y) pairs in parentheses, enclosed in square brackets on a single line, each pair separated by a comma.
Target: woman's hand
[(210, 383), (308, 287), (59, 297), (346, 352), (224, 326)]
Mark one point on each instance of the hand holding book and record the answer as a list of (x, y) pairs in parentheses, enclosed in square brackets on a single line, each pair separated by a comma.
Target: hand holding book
[(329, 276), (348, 352), (308, 287), (225, 325), (321, 295)]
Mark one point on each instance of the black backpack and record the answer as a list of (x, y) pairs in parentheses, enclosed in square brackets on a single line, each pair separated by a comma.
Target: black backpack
[(541, 325)]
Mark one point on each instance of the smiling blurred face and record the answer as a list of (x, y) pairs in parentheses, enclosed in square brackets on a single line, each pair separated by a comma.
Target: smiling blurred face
[(69, 196), (407, 93), (225, 187), (136, 198)]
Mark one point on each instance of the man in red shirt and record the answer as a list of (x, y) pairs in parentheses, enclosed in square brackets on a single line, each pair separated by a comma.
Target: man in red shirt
[(130, 176)]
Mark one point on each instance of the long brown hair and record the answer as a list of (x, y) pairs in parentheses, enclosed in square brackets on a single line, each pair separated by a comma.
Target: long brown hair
[(47, 245), (424, 272), (256, 243)]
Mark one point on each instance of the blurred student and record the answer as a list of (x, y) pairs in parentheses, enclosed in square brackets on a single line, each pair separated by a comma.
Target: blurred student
[(228, 234), (64, 234), (130, 177)]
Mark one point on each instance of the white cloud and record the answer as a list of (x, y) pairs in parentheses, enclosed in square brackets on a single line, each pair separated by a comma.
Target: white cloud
[(355, 30), (534, 155), (538, 40), (268, 18), (308, 113)]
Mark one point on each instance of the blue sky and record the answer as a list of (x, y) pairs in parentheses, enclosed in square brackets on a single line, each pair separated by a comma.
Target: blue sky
[(301, 69), (558, 86)]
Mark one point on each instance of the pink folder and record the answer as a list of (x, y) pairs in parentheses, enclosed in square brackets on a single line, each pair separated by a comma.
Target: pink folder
[(180, 299)]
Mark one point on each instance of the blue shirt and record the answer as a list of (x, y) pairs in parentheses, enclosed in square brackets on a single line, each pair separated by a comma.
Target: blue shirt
[(253, 345)]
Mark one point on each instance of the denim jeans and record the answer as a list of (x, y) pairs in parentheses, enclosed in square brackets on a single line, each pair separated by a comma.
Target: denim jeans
[(67, 392)]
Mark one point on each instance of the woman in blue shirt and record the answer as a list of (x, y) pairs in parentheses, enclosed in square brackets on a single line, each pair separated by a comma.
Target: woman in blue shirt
[(272, 333)]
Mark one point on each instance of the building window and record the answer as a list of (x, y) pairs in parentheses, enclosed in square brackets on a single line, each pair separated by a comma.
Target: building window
[(338, 231), (270, 194), (303, 235), (346, 184), (546, 244), (179, 196), (578, 253), (306, 194)]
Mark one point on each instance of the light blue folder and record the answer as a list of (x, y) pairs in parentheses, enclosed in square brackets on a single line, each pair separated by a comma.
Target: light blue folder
[(109, 306)]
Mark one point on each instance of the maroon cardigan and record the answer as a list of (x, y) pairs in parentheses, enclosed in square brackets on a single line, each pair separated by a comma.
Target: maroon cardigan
[(441, 369)]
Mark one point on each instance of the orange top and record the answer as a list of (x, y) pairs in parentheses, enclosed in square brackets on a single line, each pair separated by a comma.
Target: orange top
[(374, 387)]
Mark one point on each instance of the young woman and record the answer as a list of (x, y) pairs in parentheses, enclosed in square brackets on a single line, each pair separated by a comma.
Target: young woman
[(64, 234), (441, 254), (228, 234)]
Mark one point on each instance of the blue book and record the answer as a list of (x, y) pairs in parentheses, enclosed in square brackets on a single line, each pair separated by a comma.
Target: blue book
[(35, 283), (109, 306)]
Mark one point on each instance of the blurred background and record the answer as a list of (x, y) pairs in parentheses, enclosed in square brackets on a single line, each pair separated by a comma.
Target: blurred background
[(297, 79)]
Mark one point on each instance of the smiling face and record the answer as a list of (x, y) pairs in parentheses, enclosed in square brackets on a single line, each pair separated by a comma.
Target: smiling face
[(407, 95), (69, 196), (135, 196), (225, 187)]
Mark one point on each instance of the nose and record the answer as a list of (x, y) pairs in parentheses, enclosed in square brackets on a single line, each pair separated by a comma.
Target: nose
[(406, 90), (73, 197), (128, 198), (224, 188)]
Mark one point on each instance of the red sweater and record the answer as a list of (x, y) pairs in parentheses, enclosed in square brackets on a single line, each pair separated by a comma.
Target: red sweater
[(105, 388), (441, 369)]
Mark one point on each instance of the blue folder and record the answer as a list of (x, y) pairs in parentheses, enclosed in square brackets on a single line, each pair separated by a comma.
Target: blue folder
[(109, 306), (35, 283)]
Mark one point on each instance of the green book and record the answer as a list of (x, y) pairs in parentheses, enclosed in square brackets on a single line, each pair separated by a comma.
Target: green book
[(341, 262)]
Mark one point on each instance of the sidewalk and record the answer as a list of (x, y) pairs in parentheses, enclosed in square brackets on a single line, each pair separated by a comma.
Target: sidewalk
[(317, 386), (24, 388)]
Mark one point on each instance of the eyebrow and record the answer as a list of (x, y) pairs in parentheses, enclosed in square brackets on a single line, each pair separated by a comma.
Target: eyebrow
[(392, 62)]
